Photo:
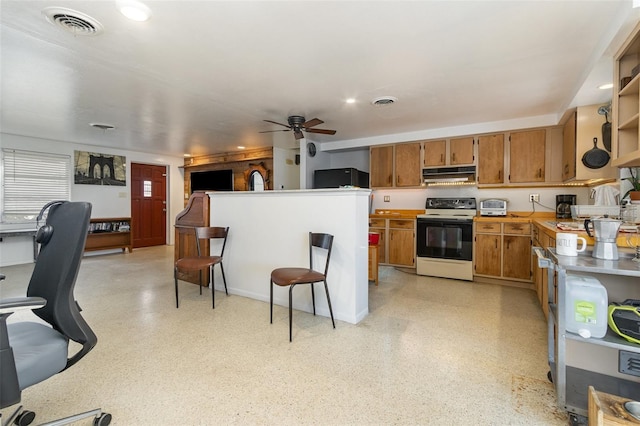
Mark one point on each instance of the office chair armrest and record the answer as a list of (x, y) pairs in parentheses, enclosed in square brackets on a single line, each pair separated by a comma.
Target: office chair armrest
[(2, 277), (13, 304)]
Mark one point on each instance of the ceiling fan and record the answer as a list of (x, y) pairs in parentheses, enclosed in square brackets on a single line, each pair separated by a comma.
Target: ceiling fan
[(298, 124)]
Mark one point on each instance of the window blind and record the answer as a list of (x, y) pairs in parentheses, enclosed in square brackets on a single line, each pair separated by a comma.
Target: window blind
[(30, 180)]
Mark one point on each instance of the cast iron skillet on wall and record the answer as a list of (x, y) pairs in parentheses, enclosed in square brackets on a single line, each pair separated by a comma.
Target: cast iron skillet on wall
[(595, 158)]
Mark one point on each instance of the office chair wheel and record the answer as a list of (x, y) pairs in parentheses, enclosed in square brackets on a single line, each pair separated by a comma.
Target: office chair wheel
[(102, 420), (25, 418)]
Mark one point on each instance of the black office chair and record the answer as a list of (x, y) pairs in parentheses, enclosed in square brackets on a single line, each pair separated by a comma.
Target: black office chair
[(32, 352), (294, 276), (203, 261)]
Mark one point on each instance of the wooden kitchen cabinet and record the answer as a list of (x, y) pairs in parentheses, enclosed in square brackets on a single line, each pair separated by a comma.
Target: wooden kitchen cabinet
[(490, 168), (407, 165), (395, 166), (402, 242), (540, 277), (488, 252), (527, 156), (503, 250), (435, 153), (626, 103), (452, 152), (381, 166), (488, 249), (583, 125), (397, 245), (516, 258)]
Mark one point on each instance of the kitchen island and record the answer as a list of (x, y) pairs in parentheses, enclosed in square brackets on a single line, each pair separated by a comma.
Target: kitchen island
[(270, 229)]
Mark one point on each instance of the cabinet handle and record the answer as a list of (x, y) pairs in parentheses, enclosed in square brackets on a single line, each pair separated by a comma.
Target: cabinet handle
[(496, 243), (566, 169), (442, 158), (539, 173), (454, 156), (499, 174)]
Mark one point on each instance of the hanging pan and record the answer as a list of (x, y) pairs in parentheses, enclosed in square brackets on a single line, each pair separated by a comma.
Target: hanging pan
[(595, 158), (606, 127)]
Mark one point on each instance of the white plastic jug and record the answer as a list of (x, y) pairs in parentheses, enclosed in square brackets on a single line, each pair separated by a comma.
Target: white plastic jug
[(586, 306)]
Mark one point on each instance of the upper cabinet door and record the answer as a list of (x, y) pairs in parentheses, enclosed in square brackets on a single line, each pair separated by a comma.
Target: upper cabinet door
[(491, 159), (381, 167), (461, 151), (408, 172), (527, 153), (435, 153)]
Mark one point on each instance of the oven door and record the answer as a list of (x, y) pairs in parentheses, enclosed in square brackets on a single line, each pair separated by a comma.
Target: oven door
[(445, 238)]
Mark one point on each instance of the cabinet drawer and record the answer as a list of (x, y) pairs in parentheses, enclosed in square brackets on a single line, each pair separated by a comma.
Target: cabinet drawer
[(377, 223), (401, 223), (488, 227), (517, 228)]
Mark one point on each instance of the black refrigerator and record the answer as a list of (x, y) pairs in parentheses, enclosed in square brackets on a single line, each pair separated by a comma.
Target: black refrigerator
[(336, 178)]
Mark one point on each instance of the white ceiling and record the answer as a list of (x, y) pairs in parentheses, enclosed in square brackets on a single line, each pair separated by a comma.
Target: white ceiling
[(201, 76)]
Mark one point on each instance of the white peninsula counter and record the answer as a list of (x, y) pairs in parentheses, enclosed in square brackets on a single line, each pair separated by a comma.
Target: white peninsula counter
[(270, 229)]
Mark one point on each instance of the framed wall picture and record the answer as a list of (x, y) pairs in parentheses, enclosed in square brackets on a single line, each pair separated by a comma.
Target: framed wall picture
[(91, 168)]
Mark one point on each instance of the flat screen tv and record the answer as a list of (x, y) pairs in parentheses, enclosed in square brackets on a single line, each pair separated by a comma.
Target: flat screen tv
[(212, 180)]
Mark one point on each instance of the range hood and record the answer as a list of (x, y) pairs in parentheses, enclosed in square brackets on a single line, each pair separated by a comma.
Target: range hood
[(449, 174)]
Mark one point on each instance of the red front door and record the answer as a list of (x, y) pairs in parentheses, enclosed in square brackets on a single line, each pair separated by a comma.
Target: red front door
[(148, 205)]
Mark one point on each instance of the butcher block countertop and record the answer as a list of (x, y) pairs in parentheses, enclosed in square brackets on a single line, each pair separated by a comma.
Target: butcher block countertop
[(547, 223), (395, 214)]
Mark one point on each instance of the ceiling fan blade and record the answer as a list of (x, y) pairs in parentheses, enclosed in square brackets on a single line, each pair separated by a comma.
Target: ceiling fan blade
[(323, 131), (298, 134), (271, 131), (279, 124), (312, 122)]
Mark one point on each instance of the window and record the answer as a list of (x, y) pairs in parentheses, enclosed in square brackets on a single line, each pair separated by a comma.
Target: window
[(30, 180)]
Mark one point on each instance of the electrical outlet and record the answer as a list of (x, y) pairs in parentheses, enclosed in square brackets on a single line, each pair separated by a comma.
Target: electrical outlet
[(534, 198), (387, 198)]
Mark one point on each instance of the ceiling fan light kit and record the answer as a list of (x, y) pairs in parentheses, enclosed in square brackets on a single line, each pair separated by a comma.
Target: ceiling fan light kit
[(298, 124)]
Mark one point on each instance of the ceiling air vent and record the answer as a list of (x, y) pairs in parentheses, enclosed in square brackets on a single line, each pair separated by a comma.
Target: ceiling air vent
[(384, 100), (77, 23)]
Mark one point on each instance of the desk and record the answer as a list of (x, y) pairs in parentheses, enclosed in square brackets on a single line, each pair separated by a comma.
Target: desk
[(22, 233)]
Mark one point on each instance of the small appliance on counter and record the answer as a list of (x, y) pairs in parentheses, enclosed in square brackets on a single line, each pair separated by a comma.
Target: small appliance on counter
[(493, 207), (563, 205)]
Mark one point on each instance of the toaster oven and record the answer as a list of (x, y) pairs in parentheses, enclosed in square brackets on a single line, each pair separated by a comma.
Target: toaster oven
[(493, 207)]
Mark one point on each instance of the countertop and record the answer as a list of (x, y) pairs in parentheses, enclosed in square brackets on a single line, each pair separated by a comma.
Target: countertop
[(395, 214)]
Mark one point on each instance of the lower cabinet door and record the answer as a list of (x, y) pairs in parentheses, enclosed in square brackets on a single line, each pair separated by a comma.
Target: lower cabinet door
[(488, 249), (517, 257)]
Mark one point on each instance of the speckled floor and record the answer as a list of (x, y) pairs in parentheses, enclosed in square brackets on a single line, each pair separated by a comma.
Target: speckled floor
[(431, 351)]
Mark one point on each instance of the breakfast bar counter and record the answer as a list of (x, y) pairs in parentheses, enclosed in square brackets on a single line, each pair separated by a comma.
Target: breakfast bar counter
[(270, 229)]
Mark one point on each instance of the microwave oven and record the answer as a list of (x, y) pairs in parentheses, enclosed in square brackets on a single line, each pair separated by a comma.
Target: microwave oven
[(493, 207)]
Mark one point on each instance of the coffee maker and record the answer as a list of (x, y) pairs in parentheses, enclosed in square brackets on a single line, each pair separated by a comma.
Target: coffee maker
[(606, 232), (563, 205)]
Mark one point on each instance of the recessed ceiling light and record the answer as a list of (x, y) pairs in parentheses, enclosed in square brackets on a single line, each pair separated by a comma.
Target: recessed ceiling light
[(351, 101), (384, 100), (240, 147), (102, 126), (134, 10), (605, 86), (187, 155)]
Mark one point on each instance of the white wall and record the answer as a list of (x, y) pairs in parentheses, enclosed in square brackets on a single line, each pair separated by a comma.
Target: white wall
[(106, 201), (286, 173)]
